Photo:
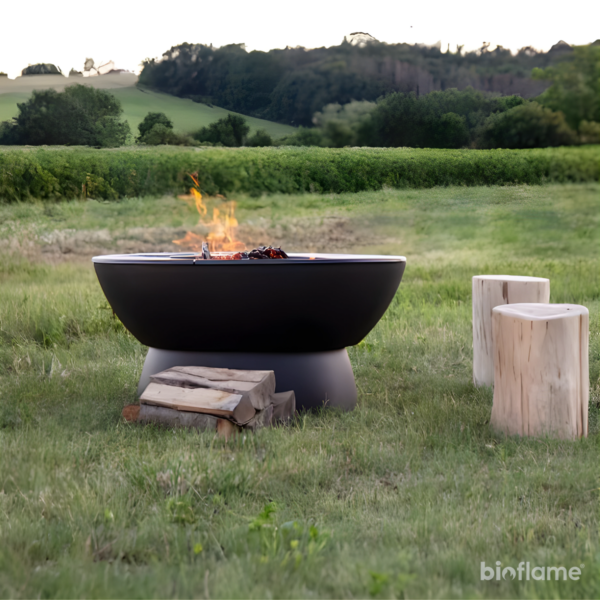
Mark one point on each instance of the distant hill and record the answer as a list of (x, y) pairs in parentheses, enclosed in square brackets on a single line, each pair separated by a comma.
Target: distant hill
[(290, 85), (185, 114)]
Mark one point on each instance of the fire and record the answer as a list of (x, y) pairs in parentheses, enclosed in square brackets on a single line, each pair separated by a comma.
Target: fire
[(221, 228)]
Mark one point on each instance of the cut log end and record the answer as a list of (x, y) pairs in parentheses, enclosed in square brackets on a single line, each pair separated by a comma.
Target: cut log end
[(131, 413)]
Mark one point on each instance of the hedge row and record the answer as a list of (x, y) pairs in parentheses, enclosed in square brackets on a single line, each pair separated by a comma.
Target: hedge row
[(54, 173)]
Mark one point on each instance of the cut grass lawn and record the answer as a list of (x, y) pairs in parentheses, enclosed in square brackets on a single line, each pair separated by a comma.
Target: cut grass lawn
[(186, 115), (404, 497)]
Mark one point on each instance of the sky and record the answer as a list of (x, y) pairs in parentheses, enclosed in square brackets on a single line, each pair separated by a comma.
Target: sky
[(66, 32)]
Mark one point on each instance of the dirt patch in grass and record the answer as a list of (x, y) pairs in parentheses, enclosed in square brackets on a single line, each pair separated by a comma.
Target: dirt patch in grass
[(327, 234)]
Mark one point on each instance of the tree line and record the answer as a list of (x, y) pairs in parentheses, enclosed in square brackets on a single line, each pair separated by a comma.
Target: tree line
[(567, 112), (291, 85)]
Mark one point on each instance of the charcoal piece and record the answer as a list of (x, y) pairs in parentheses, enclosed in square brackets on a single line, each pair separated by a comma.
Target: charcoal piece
[(266, 252)]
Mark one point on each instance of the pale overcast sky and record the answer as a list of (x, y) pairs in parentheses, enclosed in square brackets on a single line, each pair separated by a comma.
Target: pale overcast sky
[(65, 32)]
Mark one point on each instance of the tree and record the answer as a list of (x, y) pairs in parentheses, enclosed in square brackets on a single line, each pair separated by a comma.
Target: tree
[(157, 129), (527, 126), (41, 69), (230, 131), (152, 119), (346, 125), (304, 137), (436, 120), (78, 116), (290, 85), (575, 88), (260, 138)]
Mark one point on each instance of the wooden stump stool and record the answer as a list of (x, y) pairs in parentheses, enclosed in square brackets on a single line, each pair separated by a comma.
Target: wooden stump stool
[(541, 370), (490, 291)]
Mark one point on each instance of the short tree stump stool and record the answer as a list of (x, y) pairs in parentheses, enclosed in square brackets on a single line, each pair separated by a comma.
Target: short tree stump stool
[(490, 291), (541, 368)]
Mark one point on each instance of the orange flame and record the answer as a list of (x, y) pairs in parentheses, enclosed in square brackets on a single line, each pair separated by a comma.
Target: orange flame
[(222, 228)]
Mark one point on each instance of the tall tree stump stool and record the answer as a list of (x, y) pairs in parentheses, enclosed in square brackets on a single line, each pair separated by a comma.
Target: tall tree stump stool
[(490, 291), (541, 370)]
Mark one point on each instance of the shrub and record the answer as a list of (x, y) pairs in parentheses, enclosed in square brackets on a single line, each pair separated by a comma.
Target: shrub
[(8, 133), (304, 137), (110, 174), (446, 119), (346, 125), (230, 131), (260, 138), (589, 132), (157, 129), (527, 126), (161, 135), (152, 119), (78, 116)]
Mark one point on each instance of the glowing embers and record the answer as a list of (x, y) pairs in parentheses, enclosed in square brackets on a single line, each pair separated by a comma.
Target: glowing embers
[(260, 253)]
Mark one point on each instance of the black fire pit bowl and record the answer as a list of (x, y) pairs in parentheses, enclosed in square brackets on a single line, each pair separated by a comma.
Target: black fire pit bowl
[(308, 304)]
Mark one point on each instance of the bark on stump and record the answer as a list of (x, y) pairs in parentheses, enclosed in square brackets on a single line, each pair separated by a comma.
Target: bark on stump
[(490, 291), (541, 370)]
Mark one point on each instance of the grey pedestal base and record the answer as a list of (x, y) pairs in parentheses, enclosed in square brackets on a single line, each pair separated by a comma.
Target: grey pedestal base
[(317, 378)]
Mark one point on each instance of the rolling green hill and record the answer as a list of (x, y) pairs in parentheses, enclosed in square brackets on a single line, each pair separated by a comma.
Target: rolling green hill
[(186, 115)]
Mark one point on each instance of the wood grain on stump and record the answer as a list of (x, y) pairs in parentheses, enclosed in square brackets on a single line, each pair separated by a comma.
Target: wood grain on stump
[(490, 291), (541, 370)]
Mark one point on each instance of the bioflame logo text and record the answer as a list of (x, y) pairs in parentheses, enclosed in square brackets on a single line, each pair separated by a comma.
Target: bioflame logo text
[(526, 572)]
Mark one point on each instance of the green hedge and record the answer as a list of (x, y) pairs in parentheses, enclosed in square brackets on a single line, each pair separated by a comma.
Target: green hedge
[(53, 173)]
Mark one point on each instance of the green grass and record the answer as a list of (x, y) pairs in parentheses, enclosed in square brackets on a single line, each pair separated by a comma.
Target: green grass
[(404, 497), (186, 115), (57, 173)]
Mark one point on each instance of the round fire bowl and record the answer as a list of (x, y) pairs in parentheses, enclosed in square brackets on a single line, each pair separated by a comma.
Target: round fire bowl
[(306, 303)]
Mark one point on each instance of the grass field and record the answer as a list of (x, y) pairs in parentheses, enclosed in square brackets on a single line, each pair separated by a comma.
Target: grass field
[(137, 103), (404, 497)]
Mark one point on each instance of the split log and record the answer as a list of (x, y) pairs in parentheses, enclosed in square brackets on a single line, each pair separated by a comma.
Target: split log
[(541, 370), (236, 407), (263, 418), (490, 291), (284, 406), (257, 385), (226, 429), (168, 417)]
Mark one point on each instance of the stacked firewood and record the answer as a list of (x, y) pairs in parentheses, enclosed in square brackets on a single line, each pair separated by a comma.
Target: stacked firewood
[(221, 400)]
